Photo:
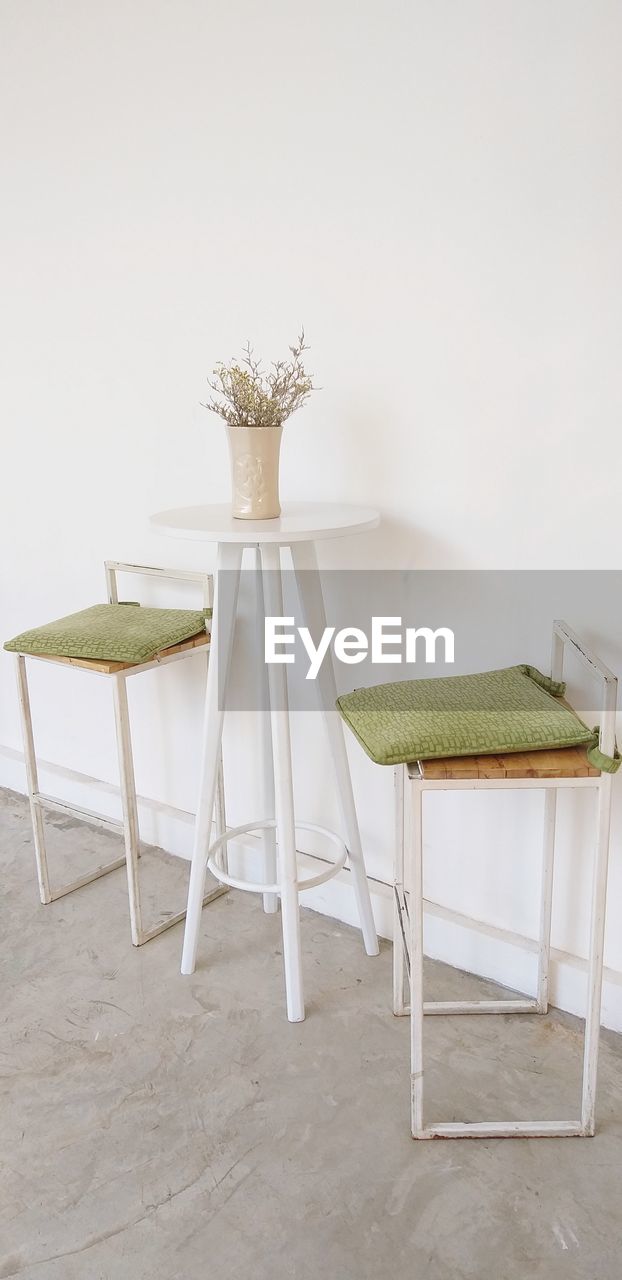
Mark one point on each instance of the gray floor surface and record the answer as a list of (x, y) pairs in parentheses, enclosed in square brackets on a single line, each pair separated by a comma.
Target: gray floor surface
[(157, 1127)]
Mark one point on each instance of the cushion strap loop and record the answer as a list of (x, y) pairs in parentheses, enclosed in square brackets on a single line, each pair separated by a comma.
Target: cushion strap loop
[(555, 687), (607, 764)]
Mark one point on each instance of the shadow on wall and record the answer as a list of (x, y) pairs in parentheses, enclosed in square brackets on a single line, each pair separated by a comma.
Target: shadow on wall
[(398, 543)]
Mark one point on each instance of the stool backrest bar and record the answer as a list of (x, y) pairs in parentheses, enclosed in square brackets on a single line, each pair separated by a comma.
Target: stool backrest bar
[(564, 635), (113, 567)]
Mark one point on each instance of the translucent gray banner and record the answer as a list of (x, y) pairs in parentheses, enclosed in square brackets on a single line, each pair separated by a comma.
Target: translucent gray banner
[(384, 626)]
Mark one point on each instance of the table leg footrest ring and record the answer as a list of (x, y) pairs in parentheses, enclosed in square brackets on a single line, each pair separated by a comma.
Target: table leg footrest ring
[(216, 854)]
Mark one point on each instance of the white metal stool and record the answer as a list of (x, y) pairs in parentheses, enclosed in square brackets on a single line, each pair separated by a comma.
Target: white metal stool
[(551, 770), (117, 672)]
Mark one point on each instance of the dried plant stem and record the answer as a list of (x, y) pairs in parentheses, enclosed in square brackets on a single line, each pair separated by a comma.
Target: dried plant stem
[(245, 396)]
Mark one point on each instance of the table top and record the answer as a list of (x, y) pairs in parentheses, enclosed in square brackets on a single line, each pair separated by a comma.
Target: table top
[(298, 522)]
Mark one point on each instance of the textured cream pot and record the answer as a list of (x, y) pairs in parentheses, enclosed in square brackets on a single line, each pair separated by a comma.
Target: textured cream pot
[(255, 471)]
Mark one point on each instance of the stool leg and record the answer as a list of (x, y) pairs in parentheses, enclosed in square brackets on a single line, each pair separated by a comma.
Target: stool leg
[(130, 808), (223, 626), (398, 894), (32, 780), (284, 798), (546, 901), (595, 969), (310, 591), (416, 920), (415, 846), (268, 834)]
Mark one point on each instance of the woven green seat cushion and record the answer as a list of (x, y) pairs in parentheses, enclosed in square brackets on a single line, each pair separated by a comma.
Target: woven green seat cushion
[(111, 633), (515, 709)]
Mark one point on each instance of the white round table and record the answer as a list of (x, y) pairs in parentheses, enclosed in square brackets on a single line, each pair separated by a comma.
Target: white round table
[(298, 522), (298, 528)]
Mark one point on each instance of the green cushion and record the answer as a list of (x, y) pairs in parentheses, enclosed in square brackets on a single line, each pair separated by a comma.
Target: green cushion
[(515, 709), (112, 633)]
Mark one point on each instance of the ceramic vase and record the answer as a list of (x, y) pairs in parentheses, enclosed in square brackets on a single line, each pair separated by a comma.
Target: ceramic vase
[(255, 455)]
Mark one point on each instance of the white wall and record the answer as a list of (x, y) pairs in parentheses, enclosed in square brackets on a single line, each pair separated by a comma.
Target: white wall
[(435, 189)]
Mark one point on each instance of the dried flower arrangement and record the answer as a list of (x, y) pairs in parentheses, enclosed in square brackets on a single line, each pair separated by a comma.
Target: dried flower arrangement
[(246, 396)]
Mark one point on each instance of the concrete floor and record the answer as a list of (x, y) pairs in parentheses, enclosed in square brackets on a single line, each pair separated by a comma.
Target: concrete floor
[(157, 1127)]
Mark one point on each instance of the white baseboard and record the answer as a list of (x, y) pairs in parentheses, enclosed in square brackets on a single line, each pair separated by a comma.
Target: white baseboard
[(457, 940)]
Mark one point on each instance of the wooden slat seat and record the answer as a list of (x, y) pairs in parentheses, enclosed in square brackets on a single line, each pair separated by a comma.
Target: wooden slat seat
[(112, 668), (562, 762)]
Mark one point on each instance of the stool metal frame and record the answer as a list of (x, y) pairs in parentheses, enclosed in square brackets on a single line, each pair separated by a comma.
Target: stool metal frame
[(409, 906), (39, 802)]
